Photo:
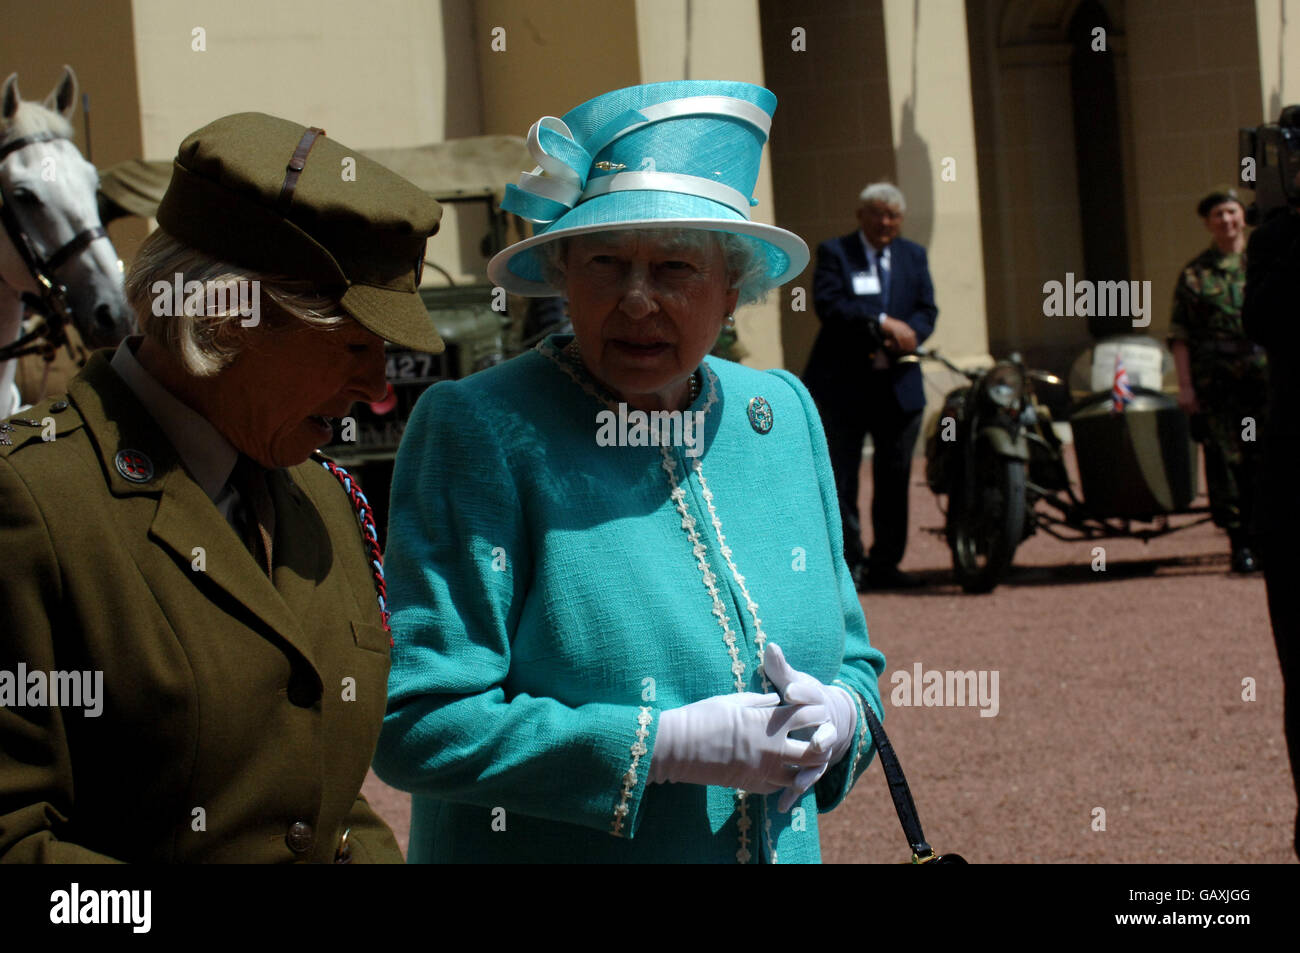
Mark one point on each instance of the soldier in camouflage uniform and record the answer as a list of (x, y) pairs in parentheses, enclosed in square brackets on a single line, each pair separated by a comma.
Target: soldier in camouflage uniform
[(1222, 375)]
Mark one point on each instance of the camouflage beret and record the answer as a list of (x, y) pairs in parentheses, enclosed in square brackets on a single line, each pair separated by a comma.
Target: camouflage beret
[(274, 196)]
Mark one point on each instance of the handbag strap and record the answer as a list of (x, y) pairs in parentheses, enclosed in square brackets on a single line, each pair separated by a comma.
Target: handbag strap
[(922, 852)]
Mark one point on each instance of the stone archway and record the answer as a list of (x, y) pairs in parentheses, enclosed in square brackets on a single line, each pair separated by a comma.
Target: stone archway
[(1051, 203)]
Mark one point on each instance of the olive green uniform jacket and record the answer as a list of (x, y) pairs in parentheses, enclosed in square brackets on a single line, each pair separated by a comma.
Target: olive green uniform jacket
[(238, 718)]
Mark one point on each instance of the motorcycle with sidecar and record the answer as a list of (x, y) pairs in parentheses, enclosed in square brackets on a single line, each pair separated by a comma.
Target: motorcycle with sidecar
[(995, 453)]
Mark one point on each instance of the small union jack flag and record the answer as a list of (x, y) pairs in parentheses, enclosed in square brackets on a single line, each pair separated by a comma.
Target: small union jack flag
[(1121, 395)]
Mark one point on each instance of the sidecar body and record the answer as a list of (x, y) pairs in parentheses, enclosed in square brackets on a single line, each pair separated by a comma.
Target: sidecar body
[(1137, 463)]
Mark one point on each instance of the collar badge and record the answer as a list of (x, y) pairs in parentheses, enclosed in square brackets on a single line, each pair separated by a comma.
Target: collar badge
[(134, 466)]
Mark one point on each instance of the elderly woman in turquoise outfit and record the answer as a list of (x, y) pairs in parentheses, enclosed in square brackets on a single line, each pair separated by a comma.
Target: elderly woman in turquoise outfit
[(624, 628)]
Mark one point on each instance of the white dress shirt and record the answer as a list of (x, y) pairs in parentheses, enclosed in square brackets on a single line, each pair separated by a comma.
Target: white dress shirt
[(879, 259)]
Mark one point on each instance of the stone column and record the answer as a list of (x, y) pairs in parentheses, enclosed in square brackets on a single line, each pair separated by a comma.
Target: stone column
[(1278, 25), (934, 142), (932, 119)]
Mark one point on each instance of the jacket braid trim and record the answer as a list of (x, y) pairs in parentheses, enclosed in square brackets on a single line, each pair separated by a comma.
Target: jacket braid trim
[(858, 748), (638, 749), (744, 822), (760, 637), (706, 572)]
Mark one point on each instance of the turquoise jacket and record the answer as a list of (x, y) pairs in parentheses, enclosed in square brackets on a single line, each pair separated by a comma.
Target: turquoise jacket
[(551, 596)]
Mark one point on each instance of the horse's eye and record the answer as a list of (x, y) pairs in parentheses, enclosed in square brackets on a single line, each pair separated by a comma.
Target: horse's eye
[(27, 196)]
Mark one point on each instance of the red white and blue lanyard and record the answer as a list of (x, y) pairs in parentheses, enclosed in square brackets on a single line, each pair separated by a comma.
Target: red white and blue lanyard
[(366, 517)]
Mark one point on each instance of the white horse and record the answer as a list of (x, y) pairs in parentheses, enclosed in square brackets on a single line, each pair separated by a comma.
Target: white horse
[(53, 244)]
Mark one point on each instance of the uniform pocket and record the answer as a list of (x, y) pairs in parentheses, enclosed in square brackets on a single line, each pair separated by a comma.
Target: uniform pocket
[(371, 637)]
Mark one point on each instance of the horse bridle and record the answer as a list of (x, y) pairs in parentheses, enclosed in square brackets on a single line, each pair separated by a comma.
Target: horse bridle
[(52, 294)]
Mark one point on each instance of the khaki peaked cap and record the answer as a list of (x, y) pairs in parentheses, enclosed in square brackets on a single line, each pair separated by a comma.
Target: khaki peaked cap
[(361, 238)]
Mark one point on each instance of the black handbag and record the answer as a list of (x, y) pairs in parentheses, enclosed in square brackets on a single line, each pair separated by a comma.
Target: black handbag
[(922, 852)]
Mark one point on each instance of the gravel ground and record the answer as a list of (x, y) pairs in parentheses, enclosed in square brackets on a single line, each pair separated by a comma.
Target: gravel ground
[(1120, 690)]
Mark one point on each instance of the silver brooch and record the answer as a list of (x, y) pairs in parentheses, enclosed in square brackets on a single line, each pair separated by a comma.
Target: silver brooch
[(760, 414)]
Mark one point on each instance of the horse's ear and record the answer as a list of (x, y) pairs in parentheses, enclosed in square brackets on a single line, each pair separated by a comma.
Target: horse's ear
[(10, 97), (63, 100)]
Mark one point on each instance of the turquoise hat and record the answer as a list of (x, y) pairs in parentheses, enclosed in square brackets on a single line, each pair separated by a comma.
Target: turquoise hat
[(683, 154)]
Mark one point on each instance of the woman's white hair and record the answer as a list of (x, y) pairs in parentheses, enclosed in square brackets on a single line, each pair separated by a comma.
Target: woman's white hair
[(205, 343), (746, 265), (885, 192)]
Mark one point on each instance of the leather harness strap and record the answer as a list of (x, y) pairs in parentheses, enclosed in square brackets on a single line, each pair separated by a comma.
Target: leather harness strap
[(31, 258), (51, 292), (75, 246), (15, 144), (294, 169)]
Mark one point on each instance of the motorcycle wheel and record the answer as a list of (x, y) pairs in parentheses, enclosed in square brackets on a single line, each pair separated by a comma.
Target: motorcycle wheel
[(984, 537)]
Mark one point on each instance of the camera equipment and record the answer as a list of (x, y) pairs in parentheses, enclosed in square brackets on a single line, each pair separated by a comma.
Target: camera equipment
[(1269, 164)]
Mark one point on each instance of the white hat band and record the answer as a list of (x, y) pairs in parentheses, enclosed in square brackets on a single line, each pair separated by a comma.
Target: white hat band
[(669, 182)]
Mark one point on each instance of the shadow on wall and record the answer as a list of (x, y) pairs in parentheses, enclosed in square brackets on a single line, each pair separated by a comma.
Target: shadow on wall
[(913, 153)]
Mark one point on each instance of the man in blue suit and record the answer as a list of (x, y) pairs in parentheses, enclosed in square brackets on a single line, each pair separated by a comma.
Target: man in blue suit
[(873, 294)]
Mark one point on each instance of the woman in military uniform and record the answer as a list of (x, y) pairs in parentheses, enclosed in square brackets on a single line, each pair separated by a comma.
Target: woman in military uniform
[(196, 649), (1222, 374)]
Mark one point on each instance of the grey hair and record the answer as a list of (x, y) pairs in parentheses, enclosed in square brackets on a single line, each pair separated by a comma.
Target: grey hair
[(885, 192), (745, 263), (204, 344)]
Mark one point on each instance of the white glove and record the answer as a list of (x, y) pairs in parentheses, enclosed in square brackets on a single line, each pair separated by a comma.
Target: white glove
[(741, 740), (800, 689)]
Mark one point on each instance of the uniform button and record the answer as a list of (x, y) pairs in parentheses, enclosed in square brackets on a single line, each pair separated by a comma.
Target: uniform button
[(59, 405), (303, 690), (300, 837)]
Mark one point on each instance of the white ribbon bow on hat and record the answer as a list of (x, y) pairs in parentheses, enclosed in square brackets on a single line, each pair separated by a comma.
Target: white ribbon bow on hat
[(561, 179)]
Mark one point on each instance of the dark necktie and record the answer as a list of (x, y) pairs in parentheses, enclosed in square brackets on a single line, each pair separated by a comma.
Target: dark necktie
[(883, 274), (258, 512)]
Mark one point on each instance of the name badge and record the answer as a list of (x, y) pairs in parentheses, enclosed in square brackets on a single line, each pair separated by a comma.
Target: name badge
[(866, 283)]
